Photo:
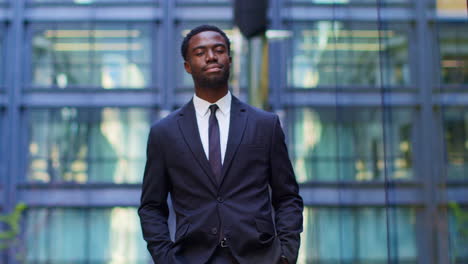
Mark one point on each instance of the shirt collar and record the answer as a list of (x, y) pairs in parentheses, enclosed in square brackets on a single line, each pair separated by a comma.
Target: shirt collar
[(202, 107)]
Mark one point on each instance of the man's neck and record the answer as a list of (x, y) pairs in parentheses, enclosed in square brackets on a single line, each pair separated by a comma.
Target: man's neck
[(211, 95)]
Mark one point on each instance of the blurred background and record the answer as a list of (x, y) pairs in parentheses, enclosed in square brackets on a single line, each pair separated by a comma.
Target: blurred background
[(373, 97)]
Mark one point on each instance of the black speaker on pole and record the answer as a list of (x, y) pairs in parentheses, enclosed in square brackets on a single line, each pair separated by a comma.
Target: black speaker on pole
[(251, 16)]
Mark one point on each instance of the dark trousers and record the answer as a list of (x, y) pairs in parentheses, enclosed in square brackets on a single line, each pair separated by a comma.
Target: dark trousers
[(222, 255)]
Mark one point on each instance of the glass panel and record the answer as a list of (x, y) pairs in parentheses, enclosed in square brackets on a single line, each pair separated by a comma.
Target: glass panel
[(103, 55), (327, 53), (458, 232), (348, 235), (58, 236), (347, 2), (86, 145), (3, 141), (238, 77), (453, 41), (456, 142), (451, 8), (83, 2), (2, 53), (227, 2), (335, 145)]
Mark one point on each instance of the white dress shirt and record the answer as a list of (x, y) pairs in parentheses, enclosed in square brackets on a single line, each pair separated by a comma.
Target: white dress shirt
[(222, 114)]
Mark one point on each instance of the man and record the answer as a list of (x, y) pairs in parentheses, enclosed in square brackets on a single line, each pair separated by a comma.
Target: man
[(219, 158)]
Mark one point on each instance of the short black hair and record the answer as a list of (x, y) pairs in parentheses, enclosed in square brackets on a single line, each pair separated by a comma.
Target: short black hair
[(199, 29)]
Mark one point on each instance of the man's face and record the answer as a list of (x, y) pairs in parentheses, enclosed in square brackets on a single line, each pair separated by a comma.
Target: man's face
[(208, 59)]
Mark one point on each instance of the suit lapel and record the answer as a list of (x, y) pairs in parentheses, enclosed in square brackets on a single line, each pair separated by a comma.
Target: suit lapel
[(237, 125), (189, 128)]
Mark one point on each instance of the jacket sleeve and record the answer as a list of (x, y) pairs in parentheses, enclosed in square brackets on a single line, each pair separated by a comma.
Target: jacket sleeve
[(286, 201), (153, 210)]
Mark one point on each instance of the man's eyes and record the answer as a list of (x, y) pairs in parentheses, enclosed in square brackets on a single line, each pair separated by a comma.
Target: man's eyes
[(201, 52)]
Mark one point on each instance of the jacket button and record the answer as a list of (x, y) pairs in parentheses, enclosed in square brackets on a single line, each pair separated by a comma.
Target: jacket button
[(214, 230), (220, 199)]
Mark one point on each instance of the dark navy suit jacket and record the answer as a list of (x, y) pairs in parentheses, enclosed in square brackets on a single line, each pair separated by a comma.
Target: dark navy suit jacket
[(256, 161)]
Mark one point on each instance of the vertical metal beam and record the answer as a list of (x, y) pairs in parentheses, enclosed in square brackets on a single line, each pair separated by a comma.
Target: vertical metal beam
[(14, 73), (168, 68), (276, 62), (3, 171), (3, 136), (425, 155), (441, 220), (169, 49)]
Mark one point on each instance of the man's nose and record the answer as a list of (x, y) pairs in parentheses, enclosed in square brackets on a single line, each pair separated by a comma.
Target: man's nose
[(211, 56)]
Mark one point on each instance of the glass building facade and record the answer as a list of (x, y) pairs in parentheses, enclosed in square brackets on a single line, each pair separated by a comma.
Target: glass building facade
[(371, 94)]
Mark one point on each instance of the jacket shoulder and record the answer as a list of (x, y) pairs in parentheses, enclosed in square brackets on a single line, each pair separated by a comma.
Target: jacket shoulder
[(166, 122), (260, 113)]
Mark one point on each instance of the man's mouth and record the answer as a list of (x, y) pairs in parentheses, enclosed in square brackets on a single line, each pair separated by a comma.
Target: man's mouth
[(213, 68)]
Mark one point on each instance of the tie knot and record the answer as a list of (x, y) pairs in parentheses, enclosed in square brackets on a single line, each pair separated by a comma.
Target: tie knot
[(213, 108)]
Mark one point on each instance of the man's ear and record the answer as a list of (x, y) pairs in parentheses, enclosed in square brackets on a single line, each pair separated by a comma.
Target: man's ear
[(230, 60), (187, 67)]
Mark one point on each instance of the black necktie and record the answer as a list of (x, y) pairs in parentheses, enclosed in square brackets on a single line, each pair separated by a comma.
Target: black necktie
[(214, 143)]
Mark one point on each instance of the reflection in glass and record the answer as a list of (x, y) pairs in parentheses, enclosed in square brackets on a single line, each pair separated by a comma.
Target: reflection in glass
[(57, 236), (84, 2), (346, 2), (349, 145), (103, 55), (228, 2), (2, 147), (86, 145), (2, 60), (456, 142), (329, 53), (451, 8), (347, 235), (453, 42), (238, 77), (458, 232)]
